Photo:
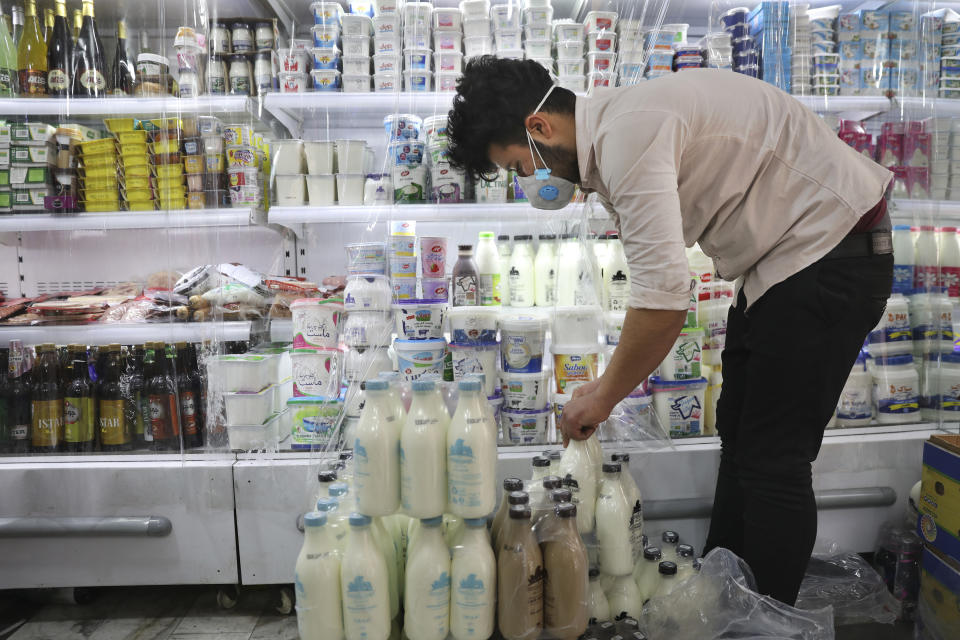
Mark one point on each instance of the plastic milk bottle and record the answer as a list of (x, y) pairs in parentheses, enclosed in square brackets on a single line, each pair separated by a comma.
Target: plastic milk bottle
[(473, 584), (427, 590), (949, 261), (364, 586), (472, 454), (317, 581), (616, 276), (488, 264), (545, 274), (925, 252), (614, 532), (521, 273), (903, 259), (423, 453), (577, 463), (376, 454)]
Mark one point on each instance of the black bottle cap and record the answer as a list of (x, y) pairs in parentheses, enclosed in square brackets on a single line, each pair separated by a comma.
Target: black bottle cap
[(671, 537), (540, 461), (561, 495), (552, 482), (652, 553), (327, 476), (518, 498), (620, 457), (611, 467), (684, 550), (522, 512), (668, 568), (512, 484), (566, 510)]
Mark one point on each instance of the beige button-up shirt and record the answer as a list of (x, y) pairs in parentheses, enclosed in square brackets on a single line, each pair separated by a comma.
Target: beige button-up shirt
[(715, 157)]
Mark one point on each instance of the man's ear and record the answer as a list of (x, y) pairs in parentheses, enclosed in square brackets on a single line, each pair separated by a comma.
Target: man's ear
[(537, 123)]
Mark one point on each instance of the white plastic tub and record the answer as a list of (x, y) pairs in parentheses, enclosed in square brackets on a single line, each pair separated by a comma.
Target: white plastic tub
[(319, 155), (386, 82), (475, 8), (530, 391), (368, 328), (578, 325), (508, 39), (679, 405), (316, 322), (243, 372), (356, 25), (416, 358), (447, 80), (473, 325), (603, 61), (476, 358), (522, 342), (613, 325), (448, 61), (683, 360), (367, 293), (321, 189), (447, 19), (538, 32), (291, 190), (605, 41), (419, 319), (538, 48), (570, 50), (476, 28), (316, 372), (600, 20), (356, 82), (505, 16), (574, 366), (419, 80), (564, 31), (538, 15), (571, 67), (355, 65), (386, 25), (350, 188), (249, 407), (525, 427), (387, 63), (416, 59), (355, 45), (365, 364), (256, 437), (387, 45), (477, 46), (447, 41)]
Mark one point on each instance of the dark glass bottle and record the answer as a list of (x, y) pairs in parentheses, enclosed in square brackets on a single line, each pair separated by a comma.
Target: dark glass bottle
[(59, 53), (162, 392), (114, 432), (20, 400), (79, 404), (189, 396), (89, 79), (46, 408), (131, 382), (123, 72), (6, 427)]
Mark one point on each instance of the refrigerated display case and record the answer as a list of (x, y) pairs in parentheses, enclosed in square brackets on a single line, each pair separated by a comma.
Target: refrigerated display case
[(227, 514)]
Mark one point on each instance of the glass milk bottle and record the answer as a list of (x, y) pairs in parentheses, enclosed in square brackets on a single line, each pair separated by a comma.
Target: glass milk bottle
[(668, 547), (515, 499), (577, 462), (925, 253), (338, 523), (668, 579), (473, 584), (646, 574), (598, 607), (472, 454), (384, 542), (376, 475), (544, 271), (613, 524), (317, 582), (624, 597), (520, 576), (565, 598), (423, 458), (504, 250), (488, 266), (427, 591), (616, 276), (903, 259), (364, 585), (509, 486), (522, 283)]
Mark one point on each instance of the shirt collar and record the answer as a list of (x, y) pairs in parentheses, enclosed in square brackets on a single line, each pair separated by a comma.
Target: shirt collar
[(585, 152)]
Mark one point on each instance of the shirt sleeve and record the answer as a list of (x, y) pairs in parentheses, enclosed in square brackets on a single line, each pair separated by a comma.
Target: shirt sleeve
[(637, 155)]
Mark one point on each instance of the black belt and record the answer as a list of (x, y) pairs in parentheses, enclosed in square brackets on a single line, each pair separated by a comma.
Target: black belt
[(862, 245)]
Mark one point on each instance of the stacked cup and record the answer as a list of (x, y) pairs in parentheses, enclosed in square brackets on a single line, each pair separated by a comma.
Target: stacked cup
[(448, 47), (355, 39), (447, 184), (387, 47), (524, 381), (321, 180), (353, 160), (538, 32), (571, 70), (477, 40), (405, 157), (316, 356), (326, 54), (601, 48), (367, 296), (507, 35), (288, 165), (417, 55)]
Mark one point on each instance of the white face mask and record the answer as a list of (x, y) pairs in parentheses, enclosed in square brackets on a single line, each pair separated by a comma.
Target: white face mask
[(543, 190)]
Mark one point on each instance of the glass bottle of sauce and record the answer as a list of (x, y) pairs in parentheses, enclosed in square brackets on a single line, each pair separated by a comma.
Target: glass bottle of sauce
[(79, 408), (46, 427)]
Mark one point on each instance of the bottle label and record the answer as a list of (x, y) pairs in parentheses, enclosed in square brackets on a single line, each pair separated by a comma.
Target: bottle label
[(57, 80), (47, 424), (20, 431), (188, 413), (216, 85), (143, 416), (950, 278), (78, 419), (93, 81), (636, 532), (112, 423), (896, 398), (473, 598), (465, 476), (902, 278), (619, 291), (854, 404), (240, 85), (925, 277), (490, 289), (33, 83), (163, 417), (465, 291), (7, 81)]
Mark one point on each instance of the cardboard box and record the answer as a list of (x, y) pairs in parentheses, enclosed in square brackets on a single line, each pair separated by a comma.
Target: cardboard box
[(20, 176), (4, 157), (33, 155), (31, 133), (939, 505), (939, 604), (32, 196)]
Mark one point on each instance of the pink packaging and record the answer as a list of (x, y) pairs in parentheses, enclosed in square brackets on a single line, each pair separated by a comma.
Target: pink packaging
[(890, 149), (434, 289), (916, 150), (433, 256), (918, 183)]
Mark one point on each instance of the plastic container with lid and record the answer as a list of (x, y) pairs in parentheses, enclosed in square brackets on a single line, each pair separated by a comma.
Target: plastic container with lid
[(893, 334), (326, 12), (679, 405), (855, 407), (469, 359), (367, 329), (447, 19), (528, 391), (575, 366), (316, 371), (525, 427), (940, 396), (570, 50), (419, 318), (476, 28), (355, 45), (420, 80), (683, 360), (316, 322), (568, 31), (522, 341), (475, 8), (416, 358), (477, 46), (367, 292), (473, 324), (447, 41), (417, 59), (896, 390), (600, 21), (386, 25), (505, 16), (931, 320), (577, 325), (356, 25)]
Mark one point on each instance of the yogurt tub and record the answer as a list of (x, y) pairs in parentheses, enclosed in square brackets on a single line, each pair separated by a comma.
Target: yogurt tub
[(387, 45), (435, 289), (537, 32), (319, 156), (403, 246), (297, 61), (683, 360), (364, 364), (522, 340), (613, 324), (403, 126), (601, 61), (316, 322), (477, 46), (525, 427), (468, 359), (448, 61), (417, 358), (525, 390), (403, 288), (570, 50), (601, 41), (355, 45), (323, 80), (574, 366), (367, 293), (350, 188), (449, 41), (386, 25), (316, 372), (892, 335), (291, 190), (414, 58), (447, 19), (249, 407), (367, 329), (505, 16), (326, 12), (257, 437), (351, 155), (568, 31), (419, 319), (447, 80), (577, 84), (314, 422), (599, 20), (538, 15), (476, 28), (417, 12), (387, 63), (570, 67), (598, 79), (896, 390), (291, 82), (325, 35), (537, 48), (403, 267), (321, 189), (365, 253), (418, 80), (242, 372), (577, 325), (356, 25), (386, 82), (419, 38), (679, 405), (475, 8), (507, 40), (356, 65), (473, 325), (560, 400), (407, 152), (496, 407)]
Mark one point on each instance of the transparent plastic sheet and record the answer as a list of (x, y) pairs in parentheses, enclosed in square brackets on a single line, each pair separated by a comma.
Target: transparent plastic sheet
[(720, 602), (845, 581)]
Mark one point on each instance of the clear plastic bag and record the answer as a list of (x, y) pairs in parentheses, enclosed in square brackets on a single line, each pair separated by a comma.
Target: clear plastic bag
[(720, 602), (845, 581)]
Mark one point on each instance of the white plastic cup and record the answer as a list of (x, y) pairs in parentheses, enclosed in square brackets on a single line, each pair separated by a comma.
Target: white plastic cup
[(290, 190), (350, 188), (321, 189), (351, 156), (288, 157), (319, 156)]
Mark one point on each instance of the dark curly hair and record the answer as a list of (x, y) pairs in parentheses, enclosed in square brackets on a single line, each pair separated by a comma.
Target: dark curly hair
[(494, 97)]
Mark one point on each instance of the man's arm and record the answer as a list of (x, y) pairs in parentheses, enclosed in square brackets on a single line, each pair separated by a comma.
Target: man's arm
[(647, 336)]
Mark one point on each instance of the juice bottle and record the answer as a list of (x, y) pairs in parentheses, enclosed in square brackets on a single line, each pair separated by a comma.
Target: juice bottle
[(472, 454), (427, 590), (521, 575), (364, 586), (423, 459), (565, 599), (473, 573), (317, 582), (376, 453)]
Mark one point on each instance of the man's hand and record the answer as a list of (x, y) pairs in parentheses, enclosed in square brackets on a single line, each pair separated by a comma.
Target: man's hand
[(584, 413)]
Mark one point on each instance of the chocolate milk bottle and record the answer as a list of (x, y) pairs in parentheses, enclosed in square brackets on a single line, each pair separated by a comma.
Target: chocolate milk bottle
[(521, 576), (565, 590)]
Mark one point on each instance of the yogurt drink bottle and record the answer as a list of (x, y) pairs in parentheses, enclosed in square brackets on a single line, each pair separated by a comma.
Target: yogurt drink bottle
[(346, 502), (488, 266), (646, 574), (624, 597), (384, 542), (472, 454), (515, 499), (509, 486), (616, 276), (668, 579), (626, 478), (395, 396), (544, 271), (505, 251), (554, 457), (364, 585), (565, 597), (522, 282), (949, 261), (598, 607), (376, 453), (453, 527), (520, 578), (684, 562), (578, 465), (317, 581), (427, 590), (338, 523), (466, 278), (615, 536), (925, 252), (325, 478), (544, 502), (669, 540), (903, 259), (473, 584), (423, 459)]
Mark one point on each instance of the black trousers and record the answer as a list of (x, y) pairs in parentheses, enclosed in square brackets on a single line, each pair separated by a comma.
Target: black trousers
[(784, 365)]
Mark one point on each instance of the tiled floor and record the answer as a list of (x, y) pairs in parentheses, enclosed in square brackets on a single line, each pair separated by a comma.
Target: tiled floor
[(192, 613)]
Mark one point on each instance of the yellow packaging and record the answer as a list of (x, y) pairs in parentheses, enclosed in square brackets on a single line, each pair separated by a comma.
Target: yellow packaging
[(47, 424), (196, 200), (113, 429), (141, 205), (117, 125), (143, 171), (574, 369), (133, 148), (99, 160), (215, 163), (193, 164), (171, 145), (78, 417), (97, 146), (132, 137), (138, 194), (238, 134), (108, 182), (101, 195), (174, 203), (86, 173), (130, 182), (169, 170), (100, 207), (137, 160), (242, 156)]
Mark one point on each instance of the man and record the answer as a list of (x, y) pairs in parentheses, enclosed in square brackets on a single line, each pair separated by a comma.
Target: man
[(774, 198)]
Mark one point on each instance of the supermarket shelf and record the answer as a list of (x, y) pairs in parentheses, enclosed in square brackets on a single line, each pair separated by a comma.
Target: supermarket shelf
[(173, 219), (916, 211), (928, 106), (99, 334), (124, 106), (848, 107)]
